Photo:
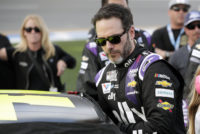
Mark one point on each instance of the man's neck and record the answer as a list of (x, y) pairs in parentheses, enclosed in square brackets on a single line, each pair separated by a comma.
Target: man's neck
[(176, 26), (191, 42)]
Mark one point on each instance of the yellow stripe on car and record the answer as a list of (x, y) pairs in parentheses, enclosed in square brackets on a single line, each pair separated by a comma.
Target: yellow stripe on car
[(7, 111)]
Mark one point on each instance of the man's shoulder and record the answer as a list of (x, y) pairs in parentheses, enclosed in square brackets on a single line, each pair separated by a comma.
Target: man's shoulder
[(163, 67), (4, 41), (146, 63), (92, 47), (3, 36), (142, 32), (179, 55), (160, 30)]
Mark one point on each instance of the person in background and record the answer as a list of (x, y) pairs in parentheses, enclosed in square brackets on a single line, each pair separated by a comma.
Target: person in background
[(167, 39), (180, 58), (38, 64), (193, 63), (7, 76), (194, 106), (194, 58), (138, 90), (93, 57)]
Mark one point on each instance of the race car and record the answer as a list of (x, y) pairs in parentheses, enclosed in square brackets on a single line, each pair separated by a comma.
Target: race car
[(43, 112)]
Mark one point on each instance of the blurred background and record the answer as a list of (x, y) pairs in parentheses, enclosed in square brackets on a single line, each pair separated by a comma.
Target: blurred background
[(69, 21), (68, 15)]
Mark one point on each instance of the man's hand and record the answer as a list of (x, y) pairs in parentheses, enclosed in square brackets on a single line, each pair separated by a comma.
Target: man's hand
[(160, 52), (61, 65), (3, 54), (164, 54)]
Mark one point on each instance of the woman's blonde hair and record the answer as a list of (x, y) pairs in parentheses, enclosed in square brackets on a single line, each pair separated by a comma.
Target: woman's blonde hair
[(46, 43), (194, 104)]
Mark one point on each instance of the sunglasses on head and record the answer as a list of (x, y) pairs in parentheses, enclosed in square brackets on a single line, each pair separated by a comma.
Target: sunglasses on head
[(29, 29), (177, 9), (193, 26), (115, 39)]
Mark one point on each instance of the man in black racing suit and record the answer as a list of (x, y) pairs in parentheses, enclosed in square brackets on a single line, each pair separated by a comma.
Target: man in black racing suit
[(139, 91)]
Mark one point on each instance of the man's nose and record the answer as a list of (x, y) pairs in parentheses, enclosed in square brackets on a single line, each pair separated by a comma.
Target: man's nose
[(109, 45)]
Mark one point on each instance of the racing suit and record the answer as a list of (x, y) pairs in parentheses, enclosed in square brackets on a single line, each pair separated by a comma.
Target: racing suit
[(143, 95), (94, 59)]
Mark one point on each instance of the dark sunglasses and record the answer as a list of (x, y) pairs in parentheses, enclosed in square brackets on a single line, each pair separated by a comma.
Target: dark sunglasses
[(177, 9), (29, 29), (115, 39), (192, 26)]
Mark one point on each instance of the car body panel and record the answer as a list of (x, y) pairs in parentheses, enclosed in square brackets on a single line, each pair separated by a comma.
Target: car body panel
[(25, 106), (35, 112)]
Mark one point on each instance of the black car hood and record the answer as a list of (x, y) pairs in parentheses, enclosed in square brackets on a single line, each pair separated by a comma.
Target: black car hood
[(25, 111)]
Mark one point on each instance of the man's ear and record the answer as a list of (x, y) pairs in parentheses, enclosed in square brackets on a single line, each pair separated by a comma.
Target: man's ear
[(132, 32)]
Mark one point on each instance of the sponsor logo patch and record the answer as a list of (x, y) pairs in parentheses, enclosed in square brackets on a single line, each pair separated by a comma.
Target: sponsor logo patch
[(106, 87), (163, 83), (133, 93), (116, 86), (161, 92), (84, 65), (112, 96), (111, 75), (163, 76), (85, 58), (165, 105), (129, 62), (92, 44), (82, 71), (132, 73), (103, 56), (132, 84)]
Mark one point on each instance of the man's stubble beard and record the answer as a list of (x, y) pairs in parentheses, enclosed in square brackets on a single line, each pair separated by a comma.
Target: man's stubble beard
[(126, 52)]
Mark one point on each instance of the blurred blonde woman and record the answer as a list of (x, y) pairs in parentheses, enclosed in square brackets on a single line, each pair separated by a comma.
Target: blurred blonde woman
[(194, 106), (38, 64)]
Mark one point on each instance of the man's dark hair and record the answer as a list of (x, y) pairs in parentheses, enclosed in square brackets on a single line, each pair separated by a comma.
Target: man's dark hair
[(114, 10), (105, 2)]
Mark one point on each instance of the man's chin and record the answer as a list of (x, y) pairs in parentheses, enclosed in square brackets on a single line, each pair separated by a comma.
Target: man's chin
[(116, 61)]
